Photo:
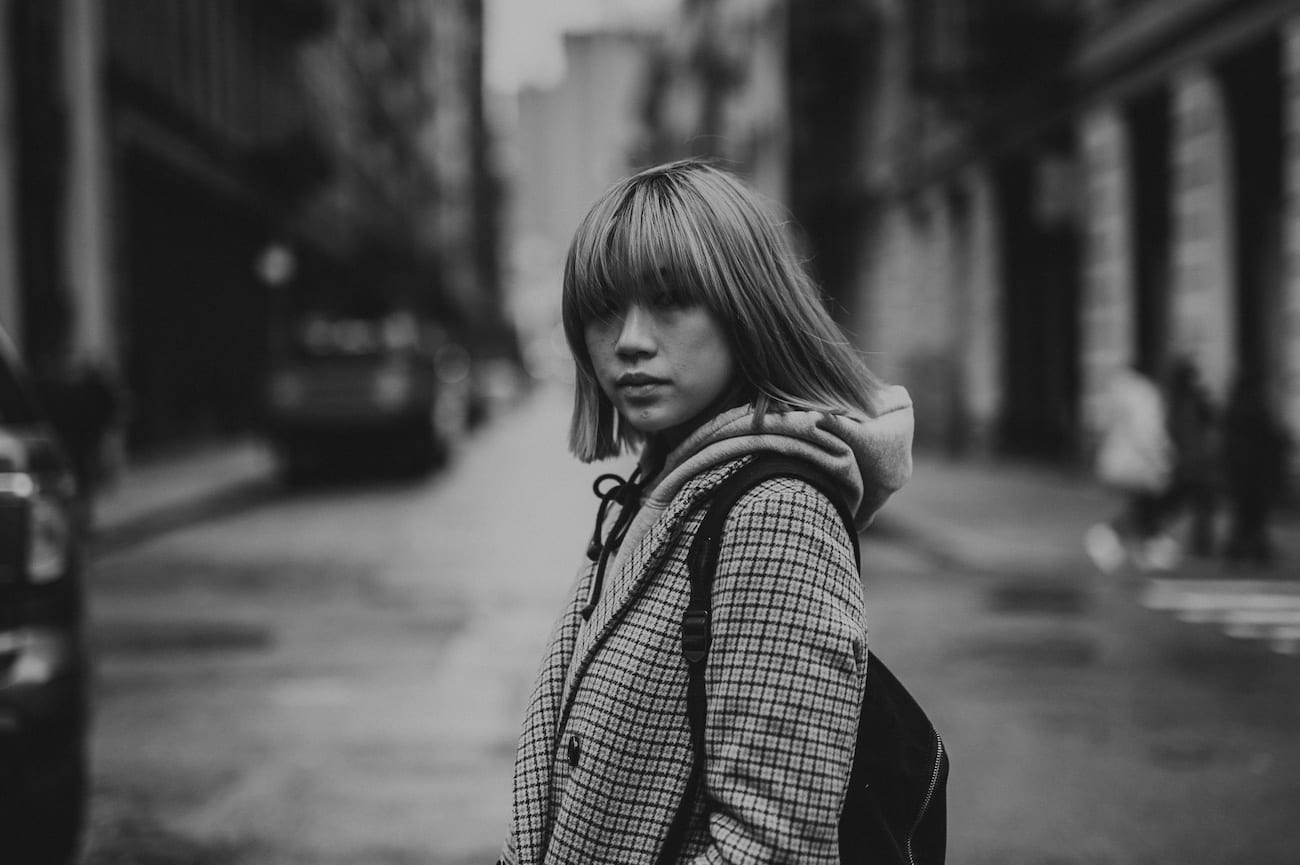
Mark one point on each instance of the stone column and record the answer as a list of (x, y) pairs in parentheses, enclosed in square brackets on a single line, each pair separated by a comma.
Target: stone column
[(882, 272), (929, 356), (11, 311), (1202, 302), (86, 227), (947, 300), (982, 326), (1289, 374), (1106, 337)]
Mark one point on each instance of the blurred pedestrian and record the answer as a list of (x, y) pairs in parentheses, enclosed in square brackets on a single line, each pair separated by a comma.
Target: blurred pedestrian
[(1192, 421), (1135, 459), (1255, 453), (699, 341)]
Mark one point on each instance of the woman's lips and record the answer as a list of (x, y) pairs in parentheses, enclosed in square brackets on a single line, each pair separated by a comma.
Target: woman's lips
[(632, 379), (635, 385)]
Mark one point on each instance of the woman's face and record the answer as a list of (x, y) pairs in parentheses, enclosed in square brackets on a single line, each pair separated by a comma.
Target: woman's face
[(661, 363)]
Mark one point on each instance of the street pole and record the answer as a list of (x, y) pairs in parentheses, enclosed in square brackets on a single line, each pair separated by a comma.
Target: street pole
[(86, 228), (11, 311)]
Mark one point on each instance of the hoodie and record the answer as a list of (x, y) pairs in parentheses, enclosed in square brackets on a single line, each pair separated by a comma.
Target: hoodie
[(869, 456)]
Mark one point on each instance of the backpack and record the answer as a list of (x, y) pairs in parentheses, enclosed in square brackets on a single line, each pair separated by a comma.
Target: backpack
[(895, 809)]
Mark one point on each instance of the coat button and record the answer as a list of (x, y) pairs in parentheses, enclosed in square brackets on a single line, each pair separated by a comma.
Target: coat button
[(575, 750)]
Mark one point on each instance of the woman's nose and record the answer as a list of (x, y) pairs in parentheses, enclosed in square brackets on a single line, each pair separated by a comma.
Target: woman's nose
[(636, 336)]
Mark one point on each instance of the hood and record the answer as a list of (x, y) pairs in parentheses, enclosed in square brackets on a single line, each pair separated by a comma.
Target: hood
[(869, 456)]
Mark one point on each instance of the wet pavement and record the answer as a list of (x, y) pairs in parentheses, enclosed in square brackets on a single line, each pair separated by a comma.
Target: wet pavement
[(337, 674)]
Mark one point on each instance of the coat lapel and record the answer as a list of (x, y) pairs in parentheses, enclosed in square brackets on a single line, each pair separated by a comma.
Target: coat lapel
[(537, 743), (573, 645), (633, 574), (623, 585)]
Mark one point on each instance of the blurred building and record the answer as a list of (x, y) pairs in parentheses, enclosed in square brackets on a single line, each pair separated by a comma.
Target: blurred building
[(572, 140), (1091, 186), (781, 92), (466, 159), (719, 87), (971, 291), (1009, 199), (169, 166)]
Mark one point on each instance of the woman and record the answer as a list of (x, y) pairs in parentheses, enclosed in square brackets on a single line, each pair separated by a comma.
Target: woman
[(1135, 459), (699, 340)]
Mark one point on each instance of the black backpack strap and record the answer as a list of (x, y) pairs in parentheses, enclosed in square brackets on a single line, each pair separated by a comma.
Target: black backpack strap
[(701, 563)]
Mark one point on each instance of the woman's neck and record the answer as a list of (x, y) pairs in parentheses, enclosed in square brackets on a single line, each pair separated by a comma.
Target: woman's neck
[(659, 445)]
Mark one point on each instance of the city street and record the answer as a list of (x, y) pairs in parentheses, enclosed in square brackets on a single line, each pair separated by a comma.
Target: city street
[(336, 675), (235, 233)]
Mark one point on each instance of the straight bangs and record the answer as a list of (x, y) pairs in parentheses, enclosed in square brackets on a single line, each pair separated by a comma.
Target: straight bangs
[(645, 242)]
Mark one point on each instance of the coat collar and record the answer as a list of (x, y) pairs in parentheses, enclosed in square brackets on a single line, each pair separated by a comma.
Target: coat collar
[(635, 568)]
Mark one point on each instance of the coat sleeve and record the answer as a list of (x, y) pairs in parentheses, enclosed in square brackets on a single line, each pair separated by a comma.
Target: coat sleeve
[(784, 678)]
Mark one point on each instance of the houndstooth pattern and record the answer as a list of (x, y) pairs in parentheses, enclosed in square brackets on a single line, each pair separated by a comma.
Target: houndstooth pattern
[(784, 679)]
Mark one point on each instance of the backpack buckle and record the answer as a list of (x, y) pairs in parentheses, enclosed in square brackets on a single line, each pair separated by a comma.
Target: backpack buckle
[(695, 635)]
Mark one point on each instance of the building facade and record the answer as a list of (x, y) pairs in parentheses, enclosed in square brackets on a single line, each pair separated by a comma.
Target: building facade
[(204, 145), (971, 288), (1133, 207), (571, 141), (155, 150), (1049, 190), (719, 87)]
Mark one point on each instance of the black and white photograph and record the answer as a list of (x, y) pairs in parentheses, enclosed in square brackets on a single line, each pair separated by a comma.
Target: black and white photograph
[(649, 432)]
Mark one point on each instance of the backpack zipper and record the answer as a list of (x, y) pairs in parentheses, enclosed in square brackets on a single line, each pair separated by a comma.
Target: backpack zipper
[(929, 796)]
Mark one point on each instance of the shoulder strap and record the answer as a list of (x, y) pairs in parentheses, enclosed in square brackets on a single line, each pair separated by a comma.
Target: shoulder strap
[(704, 552), (701, 562)]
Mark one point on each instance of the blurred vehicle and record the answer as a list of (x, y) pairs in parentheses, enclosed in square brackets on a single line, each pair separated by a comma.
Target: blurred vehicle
[(350, 388), (44, 702)]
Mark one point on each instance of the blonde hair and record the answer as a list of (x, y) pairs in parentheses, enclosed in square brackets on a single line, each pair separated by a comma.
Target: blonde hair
[(697, 234)]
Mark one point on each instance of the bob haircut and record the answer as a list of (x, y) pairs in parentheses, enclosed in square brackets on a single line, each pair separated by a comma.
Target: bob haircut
[(696, 234)]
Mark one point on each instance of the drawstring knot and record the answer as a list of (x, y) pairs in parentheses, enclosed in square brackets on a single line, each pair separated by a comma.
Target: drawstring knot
[(610, 489)]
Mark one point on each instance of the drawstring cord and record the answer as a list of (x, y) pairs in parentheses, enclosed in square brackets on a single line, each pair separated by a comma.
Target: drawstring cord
[(610, 489)]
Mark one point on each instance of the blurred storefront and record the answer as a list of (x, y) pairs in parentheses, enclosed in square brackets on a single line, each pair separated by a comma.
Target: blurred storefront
[(210, 144), (160, 148)]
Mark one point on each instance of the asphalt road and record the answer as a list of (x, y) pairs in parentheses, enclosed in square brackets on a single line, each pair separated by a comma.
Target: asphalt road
[(336, 675)]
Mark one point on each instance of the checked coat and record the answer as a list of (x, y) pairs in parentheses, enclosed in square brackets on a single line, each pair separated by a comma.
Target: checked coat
[(605, 753)]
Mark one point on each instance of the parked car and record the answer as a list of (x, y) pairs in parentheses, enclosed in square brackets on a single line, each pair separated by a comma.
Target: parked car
[(44, 701), (351, 388)]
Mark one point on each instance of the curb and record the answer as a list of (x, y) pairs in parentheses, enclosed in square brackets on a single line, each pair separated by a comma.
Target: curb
[(111, 536), (154, 498)]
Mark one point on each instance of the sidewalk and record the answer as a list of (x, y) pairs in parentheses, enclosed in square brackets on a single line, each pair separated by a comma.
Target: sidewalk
[(154, 494), (996, 517), (1006, 517)]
